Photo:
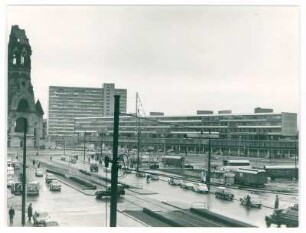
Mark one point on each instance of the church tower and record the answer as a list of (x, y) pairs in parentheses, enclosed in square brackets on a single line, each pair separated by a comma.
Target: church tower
[(21, 101)]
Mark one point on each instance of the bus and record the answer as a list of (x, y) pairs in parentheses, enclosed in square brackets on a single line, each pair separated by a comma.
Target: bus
[(233, 165)]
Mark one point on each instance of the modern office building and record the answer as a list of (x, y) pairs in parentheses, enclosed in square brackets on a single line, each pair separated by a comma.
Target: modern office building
[(68, 103), (21, 100), (255, 134)]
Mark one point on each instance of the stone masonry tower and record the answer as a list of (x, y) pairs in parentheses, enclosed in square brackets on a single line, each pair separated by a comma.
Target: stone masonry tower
[(21, 101)]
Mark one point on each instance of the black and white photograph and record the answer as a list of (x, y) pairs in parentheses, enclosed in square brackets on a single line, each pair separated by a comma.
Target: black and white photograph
[(152, 116)]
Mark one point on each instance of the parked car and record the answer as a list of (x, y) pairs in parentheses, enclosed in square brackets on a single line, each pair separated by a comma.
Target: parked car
[(49, 177), (55, 185), (43, 219), (154, 166), (152, 175), (200, 188), (141, 174), (94, 167), (187, 185), (224, 193), (10, 182), (63, 158), (127, 170), (188, 166), (107, 169), (107, 192), (175, 181), (288, 217), (16, 188), (73, 159), (39, 172)]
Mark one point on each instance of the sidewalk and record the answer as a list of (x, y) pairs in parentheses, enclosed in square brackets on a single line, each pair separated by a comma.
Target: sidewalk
[(17, 220)]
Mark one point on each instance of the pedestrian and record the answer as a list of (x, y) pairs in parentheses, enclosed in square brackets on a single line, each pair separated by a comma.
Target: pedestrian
[(276, 203), (248, 200), (33, 162), (30, 212), (11, 214), (38, 164)]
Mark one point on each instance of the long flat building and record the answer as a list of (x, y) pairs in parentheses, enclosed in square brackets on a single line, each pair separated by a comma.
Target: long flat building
[(272, 134), (68, 103)]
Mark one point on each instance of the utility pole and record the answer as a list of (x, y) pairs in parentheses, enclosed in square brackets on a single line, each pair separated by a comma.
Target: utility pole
[(209, 164), (114, 179), (138, 133), (23, 209), (84, 144), (101, 145)]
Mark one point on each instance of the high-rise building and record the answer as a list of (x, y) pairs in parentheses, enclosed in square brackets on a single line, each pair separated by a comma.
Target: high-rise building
[(67, 103)]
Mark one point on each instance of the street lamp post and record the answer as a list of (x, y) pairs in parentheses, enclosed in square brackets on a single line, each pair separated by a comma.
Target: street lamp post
[(84, 144), (209, 164)]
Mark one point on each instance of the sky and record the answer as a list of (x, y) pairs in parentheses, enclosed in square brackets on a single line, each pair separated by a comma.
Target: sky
[(179, 59)]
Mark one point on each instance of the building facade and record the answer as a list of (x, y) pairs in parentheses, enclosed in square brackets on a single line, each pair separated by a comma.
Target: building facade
[(21, 100), (68, 103), (255, 134)]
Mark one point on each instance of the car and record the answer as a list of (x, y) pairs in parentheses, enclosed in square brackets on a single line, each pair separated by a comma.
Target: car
[(224, 193), (73, 159), (107, 192), (49, 177), (55, 185), (174, 181), (288, 217), (154, 166), (94, 167), (126, 170), (16, 188), (107, 169), (187, 185), (39, 172), (153, 176), (188, 166), (63, 158), (43, 219), (200, 188), (10, 182), (141, 174), (33, 188)]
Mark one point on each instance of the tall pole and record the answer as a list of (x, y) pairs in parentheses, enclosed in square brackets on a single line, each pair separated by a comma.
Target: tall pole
[(114, 179), (84, 144), (138, 133), (101, 145), (208, 169), (24, 172)]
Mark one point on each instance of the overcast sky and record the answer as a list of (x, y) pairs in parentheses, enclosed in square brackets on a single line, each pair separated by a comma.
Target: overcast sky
[(179, 59)]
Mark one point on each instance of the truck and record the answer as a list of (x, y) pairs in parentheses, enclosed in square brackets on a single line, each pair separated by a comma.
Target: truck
[(288, 217), (224, 193)]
